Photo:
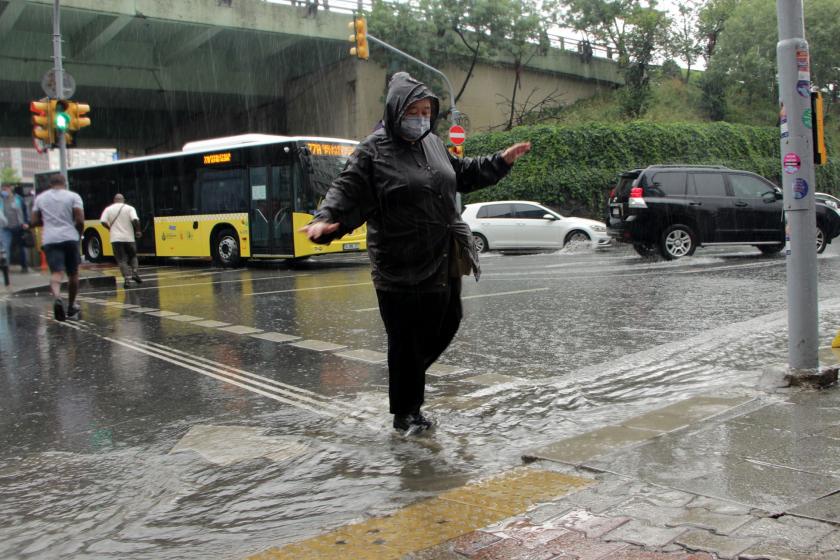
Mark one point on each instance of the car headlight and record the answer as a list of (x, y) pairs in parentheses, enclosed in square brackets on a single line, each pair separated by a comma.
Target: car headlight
[(599, 229)]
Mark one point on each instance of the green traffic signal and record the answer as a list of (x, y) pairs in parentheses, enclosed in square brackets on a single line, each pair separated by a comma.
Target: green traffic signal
[(62, 121)]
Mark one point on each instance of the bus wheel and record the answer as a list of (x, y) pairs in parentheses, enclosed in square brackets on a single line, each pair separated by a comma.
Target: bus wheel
[(226, 248), (92, 247)]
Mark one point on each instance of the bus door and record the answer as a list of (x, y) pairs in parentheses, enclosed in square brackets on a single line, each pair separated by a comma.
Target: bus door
[(143, 203), (271, 212)]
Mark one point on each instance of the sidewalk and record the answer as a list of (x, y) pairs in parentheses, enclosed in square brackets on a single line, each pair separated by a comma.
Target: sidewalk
[(37, 281), (742, 476)]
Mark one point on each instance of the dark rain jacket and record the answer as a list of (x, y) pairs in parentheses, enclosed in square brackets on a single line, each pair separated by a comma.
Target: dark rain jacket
[(405, 191)]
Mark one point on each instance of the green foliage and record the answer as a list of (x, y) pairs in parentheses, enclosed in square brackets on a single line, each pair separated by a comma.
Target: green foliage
[(670, 69), (639, 32), (746, 48), (711, 22), (8, 175), (713, 87), (574, 167)]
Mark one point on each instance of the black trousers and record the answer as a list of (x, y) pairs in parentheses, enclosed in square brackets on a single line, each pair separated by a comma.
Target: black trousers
[(420, 326), (125, 252)]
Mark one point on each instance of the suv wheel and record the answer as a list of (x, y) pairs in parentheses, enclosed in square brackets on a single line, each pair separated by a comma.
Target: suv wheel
[(771, 249), (677, 241), (822, 240), (646, 250)]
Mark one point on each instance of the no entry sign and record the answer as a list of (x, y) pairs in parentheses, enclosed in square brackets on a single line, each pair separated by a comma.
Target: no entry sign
[(457, 134)]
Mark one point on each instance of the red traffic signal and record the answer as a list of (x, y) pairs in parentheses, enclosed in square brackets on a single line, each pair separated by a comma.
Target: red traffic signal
[(43, 133)]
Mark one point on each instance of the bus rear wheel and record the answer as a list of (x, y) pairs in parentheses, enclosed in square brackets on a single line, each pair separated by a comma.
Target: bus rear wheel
[(92, 247), (225, 248)]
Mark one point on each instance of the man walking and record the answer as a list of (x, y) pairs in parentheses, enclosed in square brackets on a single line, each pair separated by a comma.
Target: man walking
[(14, 210), (61, 213), (122, 221)]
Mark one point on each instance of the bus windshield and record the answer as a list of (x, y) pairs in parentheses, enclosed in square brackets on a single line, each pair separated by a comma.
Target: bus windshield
[(324, 162)]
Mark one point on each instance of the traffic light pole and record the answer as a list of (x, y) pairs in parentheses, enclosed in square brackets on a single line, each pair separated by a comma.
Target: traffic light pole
[(455, 114), (799, 185), (59, 84)]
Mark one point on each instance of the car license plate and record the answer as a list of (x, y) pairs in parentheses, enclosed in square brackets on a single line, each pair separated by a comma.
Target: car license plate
[(350, 246), (616, 211)]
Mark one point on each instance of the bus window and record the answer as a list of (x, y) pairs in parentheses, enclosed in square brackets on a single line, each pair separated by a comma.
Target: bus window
[(222, 191), (322, 165)]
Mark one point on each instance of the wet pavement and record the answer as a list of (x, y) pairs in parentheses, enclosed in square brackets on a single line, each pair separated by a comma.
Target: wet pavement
[(226, 412)]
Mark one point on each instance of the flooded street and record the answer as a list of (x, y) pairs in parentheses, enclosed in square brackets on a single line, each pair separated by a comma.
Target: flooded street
[(221, 412)]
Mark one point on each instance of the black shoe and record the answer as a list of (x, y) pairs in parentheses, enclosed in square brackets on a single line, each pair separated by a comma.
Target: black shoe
[(421, 421), (74, 313), (412, 424), (136, 278), (402, 421), (58, 310), (126, 285)]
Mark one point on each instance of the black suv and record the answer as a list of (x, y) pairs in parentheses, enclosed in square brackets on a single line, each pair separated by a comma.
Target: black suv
[(673, 209)]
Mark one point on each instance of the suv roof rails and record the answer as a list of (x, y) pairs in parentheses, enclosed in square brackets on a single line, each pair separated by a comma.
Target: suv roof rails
[(689, 166)]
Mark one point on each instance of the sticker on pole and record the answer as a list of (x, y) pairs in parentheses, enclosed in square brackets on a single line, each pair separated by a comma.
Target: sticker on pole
[(803, 88), (457, 134), (802, 62), (807, 117), (791, 163), (783, 123), (800, 189)]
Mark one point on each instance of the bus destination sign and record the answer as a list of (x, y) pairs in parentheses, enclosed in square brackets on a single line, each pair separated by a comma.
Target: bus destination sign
[(321, 149), (215, 159)]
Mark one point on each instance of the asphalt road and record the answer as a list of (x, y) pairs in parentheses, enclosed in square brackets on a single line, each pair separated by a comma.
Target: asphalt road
[(211, 411)]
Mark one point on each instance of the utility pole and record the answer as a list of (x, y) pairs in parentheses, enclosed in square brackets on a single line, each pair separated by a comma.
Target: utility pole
[(798, 181), (59, 84)]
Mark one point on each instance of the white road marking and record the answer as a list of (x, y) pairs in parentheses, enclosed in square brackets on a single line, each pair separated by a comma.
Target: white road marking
[(283, 388), (275, 390), (238, 281), (309, 289), (276, 337), (495, 294), (227, 378)]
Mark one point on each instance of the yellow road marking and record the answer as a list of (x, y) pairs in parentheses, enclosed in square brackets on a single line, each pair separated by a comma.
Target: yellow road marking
[(432, 522)]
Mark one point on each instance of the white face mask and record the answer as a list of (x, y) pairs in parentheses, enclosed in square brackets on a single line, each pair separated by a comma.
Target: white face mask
[(413, 127)]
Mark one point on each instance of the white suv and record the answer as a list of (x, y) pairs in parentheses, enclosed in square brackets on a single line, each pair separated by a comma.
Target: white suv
[(518, 225)]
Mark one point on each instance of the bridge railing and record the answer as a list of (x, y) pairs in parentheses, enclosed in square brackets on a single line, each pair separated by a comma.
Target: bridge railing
[(584, 48)]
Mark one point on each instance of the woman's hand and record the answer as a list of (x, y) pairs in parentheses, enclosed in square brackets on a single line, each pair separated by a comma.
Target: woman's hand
[(315, 230), (513, 153)]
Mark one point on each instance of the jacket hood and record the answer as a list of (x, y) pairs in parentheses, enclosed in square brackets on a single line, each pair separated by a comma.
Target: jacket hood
[(403, 90)]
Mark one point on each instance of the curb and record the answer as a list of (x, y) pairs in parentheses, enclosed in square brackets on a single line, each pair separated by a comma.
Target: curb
[(84, 282)]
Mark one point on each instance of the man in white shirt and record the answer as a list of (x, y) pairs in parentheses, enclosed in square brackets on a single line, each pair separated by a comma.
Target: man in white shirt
[(122, 221), (62, 214)]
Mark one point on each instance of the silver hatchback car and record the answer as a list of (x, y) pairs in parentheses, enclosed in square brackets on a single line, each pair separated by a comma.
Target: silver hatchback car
[(521, 225)]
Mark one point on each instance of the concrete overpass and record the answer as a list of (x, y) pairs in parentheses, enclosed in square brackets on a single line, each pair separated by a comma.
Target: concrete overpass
[(159, 73)]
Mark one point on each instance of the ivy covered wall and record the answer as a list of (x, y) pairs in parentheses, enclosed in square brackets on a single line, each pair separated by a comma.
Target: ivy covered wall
[(572, 168)]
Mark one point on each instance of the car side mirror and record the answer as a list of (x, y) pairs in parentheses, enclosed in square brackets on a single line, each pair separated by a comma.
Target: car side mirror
[(549, 217), (777, 194)]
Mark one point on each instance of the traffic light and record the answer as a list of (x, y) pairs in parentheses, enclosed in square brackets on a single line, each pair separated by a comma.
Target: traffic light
[(457, 151), (61, 118), (78, 112), (359, 38), (43, 134), (818, 128)]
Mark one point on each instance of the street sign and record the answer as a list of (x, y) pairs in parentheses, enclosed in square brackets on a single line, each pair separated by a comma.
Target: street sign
[(49, 86), (457, 134)]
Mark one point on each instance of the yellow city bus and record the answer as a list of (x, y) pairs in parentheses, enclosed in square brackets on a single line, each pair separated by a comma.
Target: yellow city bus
[(229, 199)]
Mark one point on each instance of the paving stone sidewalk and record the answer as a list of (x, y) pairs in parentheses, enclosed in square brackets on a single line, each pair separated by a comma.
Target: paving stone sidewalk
[(744, 478), (37, 281)]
